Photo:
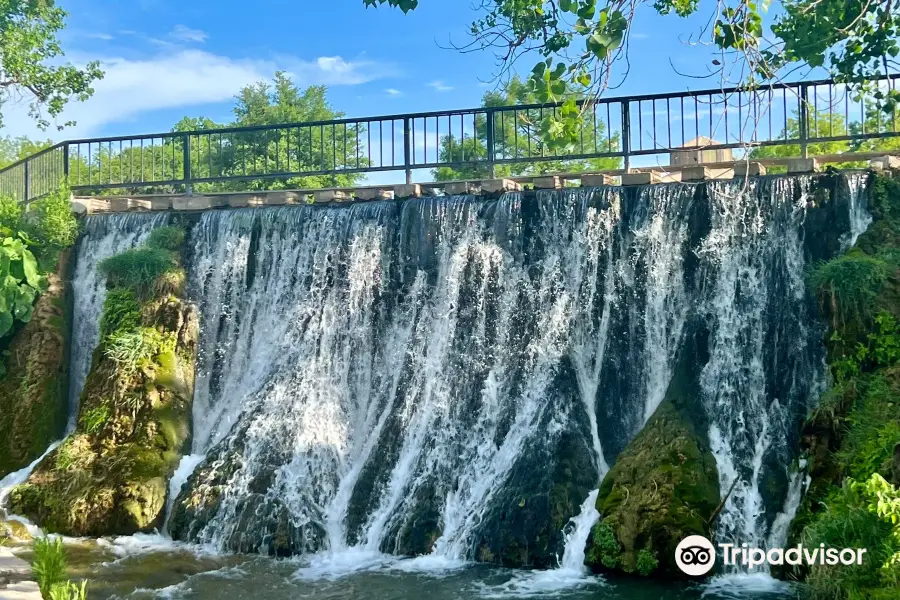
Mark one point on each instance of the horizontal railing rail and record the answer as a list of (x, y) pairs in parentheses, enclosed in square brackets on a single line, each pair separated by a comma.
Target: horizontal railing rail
[(805, 117)]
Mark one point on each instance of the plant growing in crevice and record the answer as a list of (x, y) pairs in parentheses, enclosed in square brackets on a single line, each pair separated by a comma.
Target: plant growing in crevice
[(605, 548), (646, 562)]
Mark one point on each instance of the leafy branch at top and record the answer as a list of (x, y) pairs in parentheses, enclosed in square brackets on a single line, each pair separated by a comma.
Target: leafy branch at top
[(29, 49)]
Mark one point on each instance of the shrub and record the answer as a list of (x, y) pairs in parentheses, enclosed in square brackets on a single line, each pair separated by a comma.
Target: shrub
[(20, 281), (848, 286), (138, 268), (121, 312), (51, 223), (10, 214), (94, 419), (49, 563), (166, 238), (646, 562), (605, 549)]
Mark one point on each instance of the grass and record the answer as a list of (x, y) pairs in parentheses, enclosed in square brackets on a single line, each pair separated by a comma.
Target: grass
[(138, 268), (49, 563), (49, 566), (133, 349), (121, 312), (166, 238)]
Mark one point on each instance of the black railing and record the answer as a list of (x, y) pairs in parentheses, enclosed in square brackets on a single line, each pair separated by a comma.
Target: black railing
[(324, 153)]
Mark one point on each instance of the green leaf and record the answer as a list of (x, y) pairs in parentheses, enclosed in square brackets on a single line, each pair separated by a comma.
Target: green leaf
[(30, 266), (6, 322)]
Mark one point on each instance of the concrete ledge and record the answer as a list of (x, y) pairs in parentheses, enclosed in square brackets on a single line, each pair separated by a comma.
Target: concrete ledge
[(883, 163), (597, 180), (198, 202), (751, 169), (551, 182), (374, 194), (408, 190), (641, 178), (498, 186), (702, 173), (460, 188), (324, 196), (802, 165)]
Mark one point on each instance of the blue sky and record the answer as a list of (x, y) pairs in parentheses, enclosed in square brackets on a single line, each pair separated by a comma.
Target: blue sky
[(168, 58), (165, 59)]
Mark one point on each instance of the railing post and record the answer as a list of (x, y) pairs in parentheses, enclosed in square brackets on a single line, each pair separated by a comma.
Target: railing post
[(186, 151), (804, 121), (27, 185), (626, 135), (490, 143), (407, 147), (66, 162)]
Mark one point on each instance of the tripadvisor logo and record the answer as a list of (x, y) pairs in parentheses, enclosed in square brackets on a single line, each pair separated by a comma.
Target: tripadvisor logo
[(695, 555)]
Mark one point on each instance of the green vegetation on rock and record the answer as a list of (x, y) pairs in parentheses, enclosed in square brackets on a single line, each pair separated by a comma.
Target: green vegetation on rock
[(109, 476), (49, 566), (33, 325), (852, 438), (663, 487)]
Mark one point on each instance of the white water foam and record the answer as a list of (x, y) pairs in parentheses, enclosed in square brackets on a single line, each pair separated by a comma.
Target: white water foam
[(186, 466)]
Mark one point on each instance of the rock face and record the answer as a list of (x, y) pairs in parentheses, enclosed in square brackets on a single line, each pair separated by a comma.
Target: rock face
[(110, 476), (33, 391), (663, 487)]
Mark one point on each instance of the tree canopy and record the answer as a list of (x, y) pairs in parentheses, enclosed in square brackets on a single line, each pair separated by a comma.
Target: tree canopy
[(29, 53), (577, 42), (521, 137)]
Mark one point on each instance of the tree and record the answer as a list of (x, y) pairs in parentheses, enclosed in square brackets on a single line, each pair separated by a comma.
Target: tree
[(579, 41), (29, 53), (523, 137), (15, 149)]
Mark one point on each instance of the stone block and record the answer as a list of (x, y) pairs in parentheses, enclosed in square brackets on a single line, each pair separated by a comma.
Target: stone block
[(749, 169), (81, 206), (645, 178), (597, 180), (550, 182), (802, 165), (408, 190), (373, 194), (160, 203), (192, 203), (322, 196), (243, 200), (460, 188), (883, 163), (279, 198), (702, 173), (497, 186)]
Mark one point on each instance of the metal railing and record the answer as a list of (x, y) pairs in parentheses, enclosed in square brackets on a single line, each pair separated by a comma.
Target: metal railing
[(323, 153)]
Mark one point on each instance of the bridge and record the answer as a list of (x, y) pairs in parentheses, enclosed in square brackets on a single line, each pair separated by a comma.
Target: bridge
[(804, 119)]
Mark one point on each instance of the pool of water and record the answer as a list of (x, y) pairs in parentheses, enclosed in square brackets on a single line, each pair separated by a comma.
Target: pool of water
[(149, 567)]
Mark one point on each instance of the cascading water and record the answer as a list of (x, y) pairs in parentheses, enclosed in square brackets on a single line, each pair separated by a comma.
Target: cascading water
[(421, 376), (103, 236)]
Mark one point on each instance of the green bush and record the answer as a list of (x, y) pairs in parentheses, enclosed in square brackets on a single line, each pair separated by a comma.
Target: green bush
[(94, 419), (139, 268), (646, 562), (848, 286), (605, 547), (121, 312), (50, 219), (166, 238), (49, 563), (10, 215), (20, 281)]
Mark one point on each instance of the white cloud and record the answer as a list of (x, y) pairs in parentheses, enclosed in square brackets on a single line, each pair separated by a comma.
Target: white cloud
[(335, 70), (176, 79), (440, 86), (184, 33), (99, 36), (639, 36), (393, 92)]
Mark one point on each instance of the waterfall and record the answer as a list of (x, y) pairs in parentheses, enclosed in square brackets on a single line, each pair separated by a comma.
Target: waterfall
[(421, 376), (103, 236)]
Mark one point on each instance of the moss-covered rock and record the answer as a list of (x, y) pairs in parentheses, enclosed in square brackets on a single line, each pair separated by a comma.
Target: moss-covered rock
[(13, 531), (33, 391), (663, 487), (109, 477)]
